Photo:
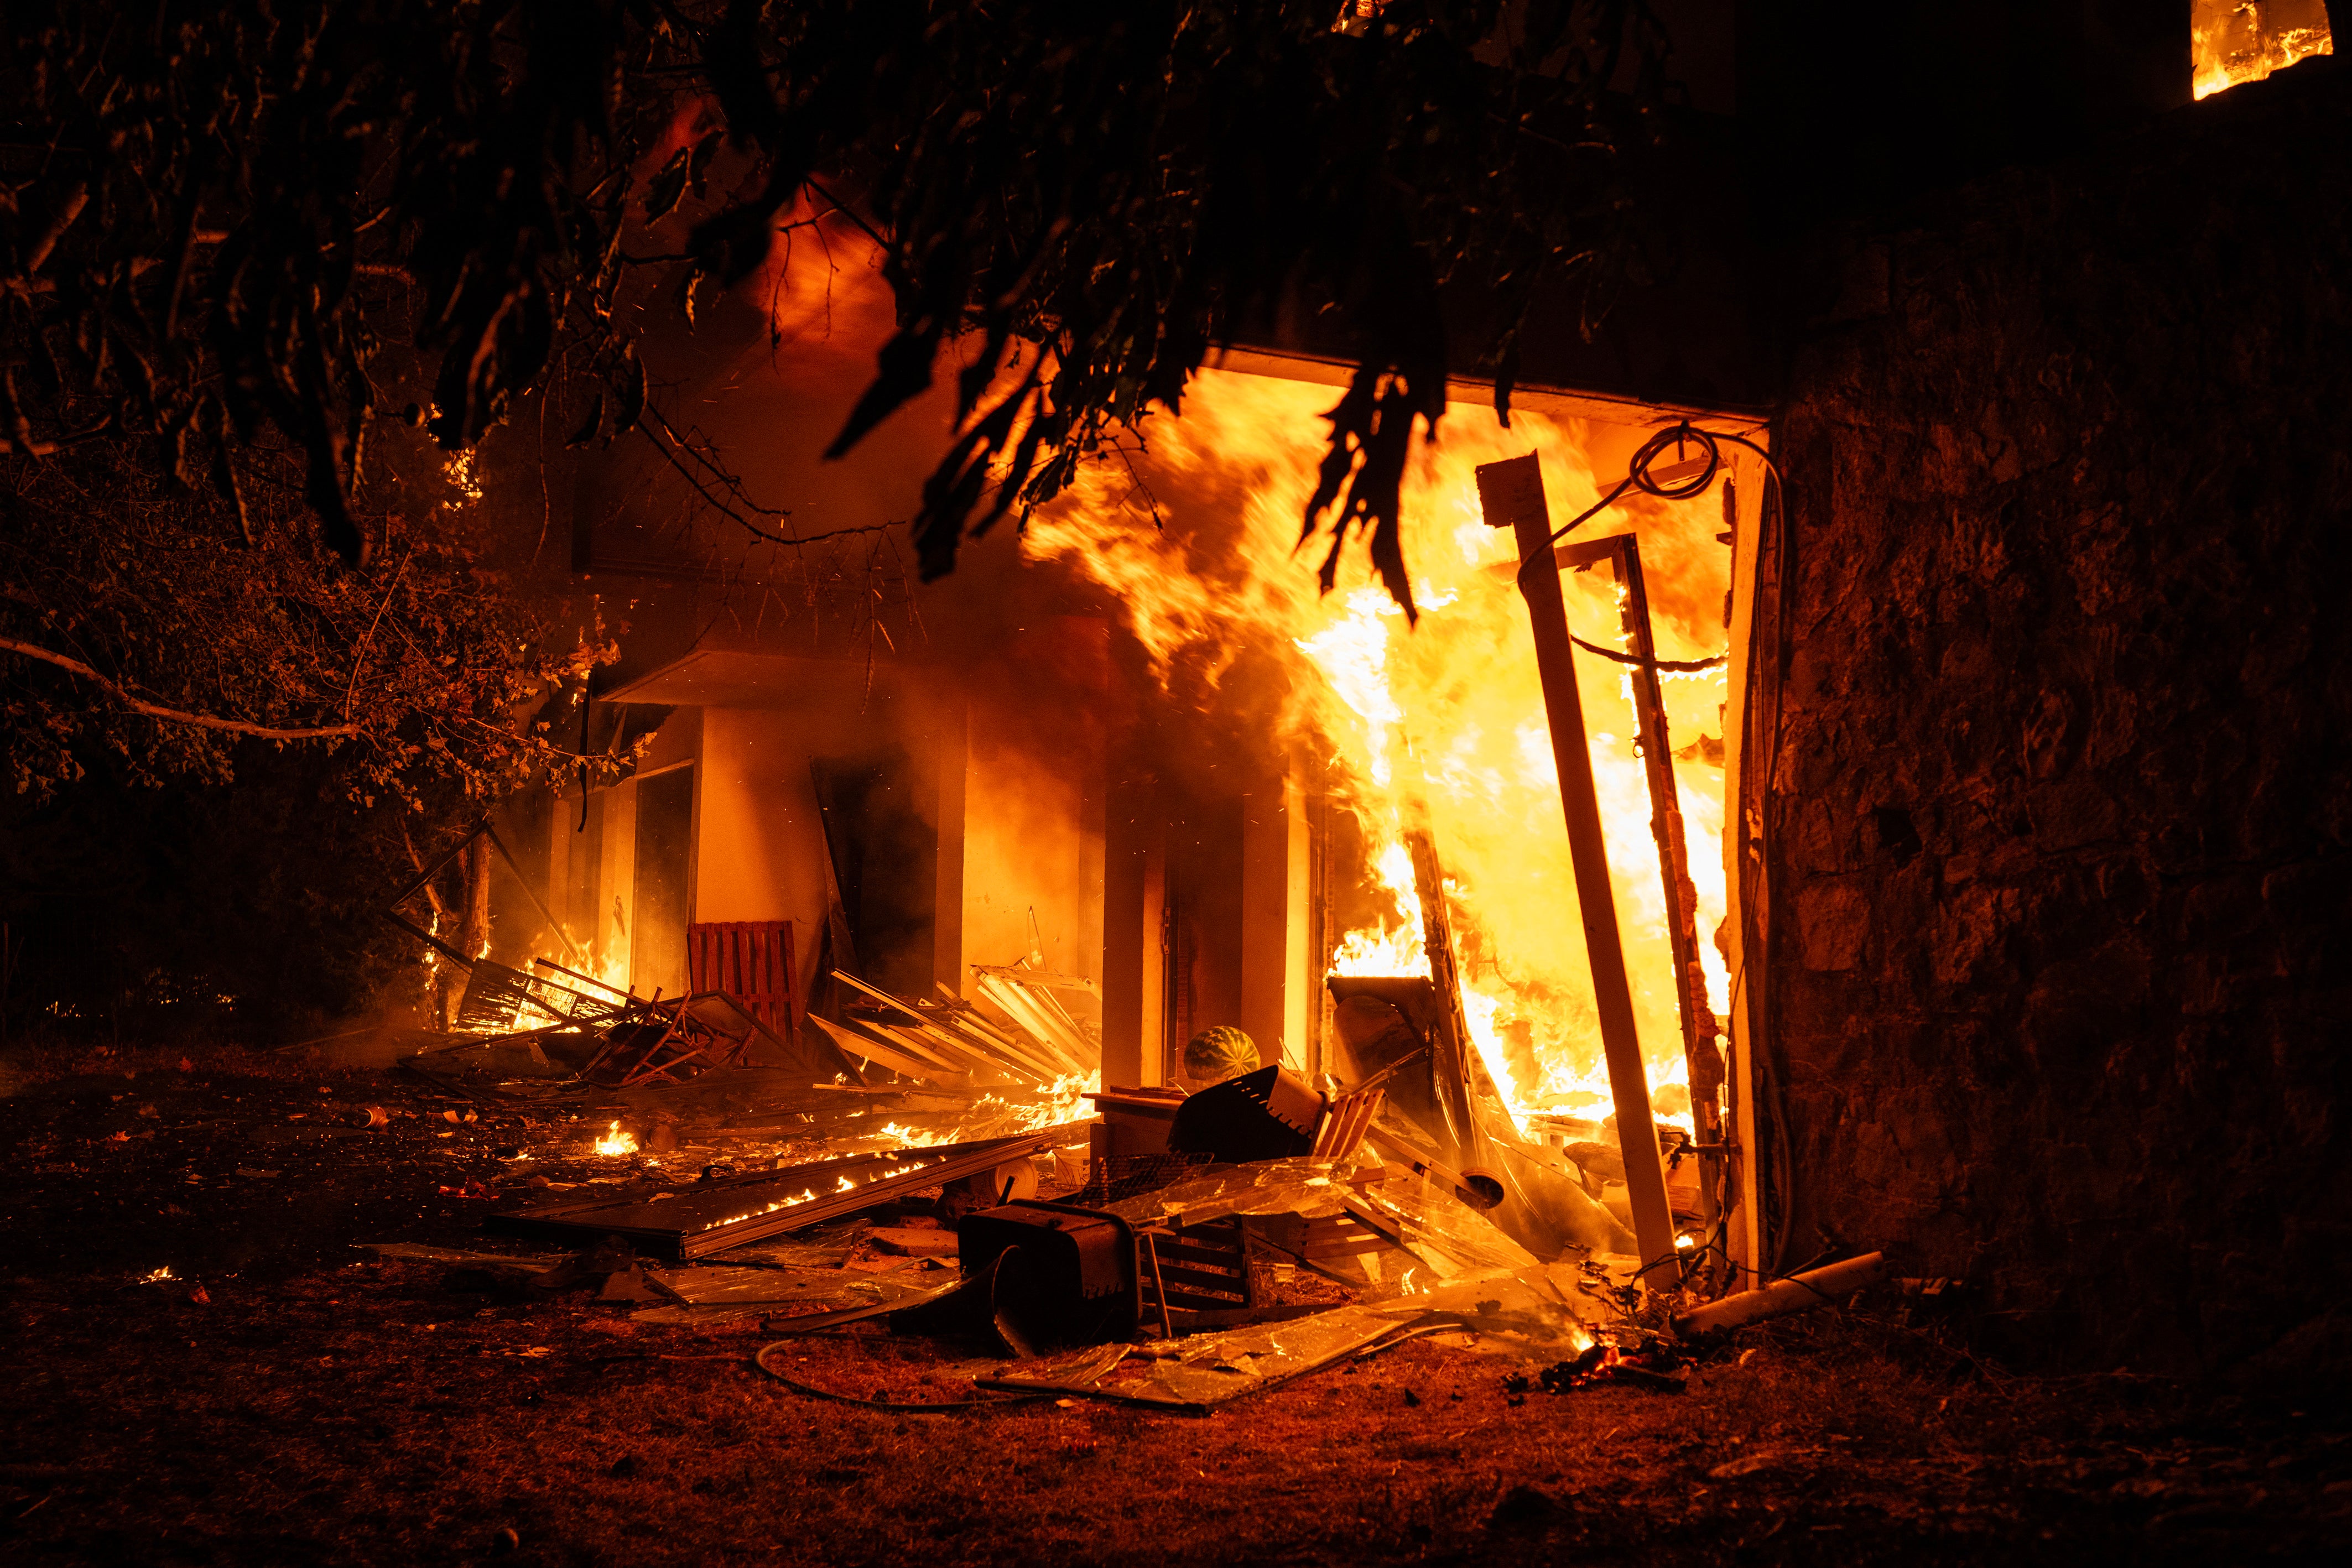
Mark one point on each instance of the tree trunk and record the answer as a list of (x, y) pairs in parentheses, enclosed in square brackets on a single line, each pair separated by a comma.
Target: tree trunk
[(476, 938)]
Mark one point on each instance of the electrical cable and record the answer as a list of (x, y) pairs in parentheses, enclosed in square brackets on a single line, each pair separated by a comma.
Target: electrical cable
[(1675, 666), (1638, 477), (896, 1406)]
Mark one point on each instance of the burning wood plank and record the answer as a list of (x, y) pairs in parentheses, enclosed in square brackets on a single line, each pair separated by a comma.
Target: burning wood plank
[(710, 1216)]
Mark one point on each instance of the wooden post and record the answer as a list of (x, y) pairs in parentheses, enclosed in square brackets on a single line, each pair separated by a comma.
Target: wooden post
[(1745, 780), (1511, 494), (1453, 1052), (951, 760), (1700, 1026), (476, 940)]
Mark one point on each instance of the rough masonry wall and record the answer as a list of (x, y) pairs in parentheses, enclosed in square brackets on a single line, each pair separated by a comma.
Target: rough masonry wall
[(2063, 817)]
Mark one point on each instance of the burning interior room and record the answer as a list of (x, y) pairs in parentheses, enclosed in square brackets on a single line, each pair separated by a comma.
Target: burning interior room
[(1329, 782)]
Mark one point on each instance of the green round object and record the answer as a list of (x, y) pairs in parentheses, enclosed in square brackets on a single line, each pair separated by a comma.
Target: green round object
[(1216, 1055)]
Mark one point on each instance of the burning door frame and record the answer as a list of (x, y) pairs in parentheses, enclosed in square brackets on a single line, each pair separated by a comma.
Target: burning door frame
[(1136, 1030)]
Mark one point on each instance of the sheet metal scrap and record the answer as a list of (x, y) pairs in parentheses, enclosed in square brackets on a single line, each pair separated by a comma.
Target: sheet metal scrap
[(683, 1223), (714, 1294), (946, 1041), (1203, 1373)]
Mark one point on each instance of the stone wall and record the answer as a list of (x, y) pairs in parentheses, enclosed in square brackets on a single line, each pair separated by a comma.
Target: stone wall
[(2062, 822)]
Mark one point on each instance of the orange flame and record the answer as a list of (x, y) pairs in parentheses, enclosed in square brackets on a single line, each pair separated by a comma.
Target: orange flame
[(2232, 42), (1444, 722)]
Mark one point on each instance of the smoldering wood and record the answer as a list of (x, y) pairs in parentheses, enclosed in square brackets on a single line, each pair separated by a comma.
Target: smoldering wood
[(730, 1210)]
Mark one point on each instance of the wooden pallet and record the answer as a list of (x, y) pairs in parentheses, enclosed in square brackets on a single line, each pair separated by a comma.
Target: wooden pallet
[(751, 960)]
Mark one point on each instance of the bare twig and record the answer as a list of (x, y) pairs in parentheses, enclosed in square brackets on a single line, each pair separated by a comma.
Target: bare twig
[(176, 715), (358, 654)]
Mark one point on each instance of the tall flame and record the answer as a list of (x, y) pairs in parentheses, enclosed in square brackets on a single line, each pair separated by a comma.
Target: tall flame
[(1443, 723)]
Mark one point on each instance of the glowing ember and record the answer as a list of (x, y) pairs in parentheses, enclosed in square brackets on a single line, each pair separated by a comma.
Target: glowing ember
[(616, 1142), (897, 1172), (157, 1275), (463, 471), (1062, 1102), (1442, 723)]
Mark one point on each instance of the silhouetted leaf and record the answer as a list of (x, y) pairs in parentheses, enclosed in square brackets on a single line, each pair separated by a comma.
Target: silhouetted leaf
[(666, 185), (628, 393), (589, 426)]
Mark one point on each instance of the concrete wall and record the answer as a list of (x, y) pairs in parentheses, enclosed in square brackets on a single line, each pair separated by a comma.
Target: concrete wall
[(1014, 776), (760, 844), (2061, 821), (1032, 841)]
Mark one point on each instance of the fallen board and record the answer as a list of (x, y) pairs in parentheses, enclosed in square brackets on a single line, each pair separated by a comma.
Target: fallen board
[(709, 1216)]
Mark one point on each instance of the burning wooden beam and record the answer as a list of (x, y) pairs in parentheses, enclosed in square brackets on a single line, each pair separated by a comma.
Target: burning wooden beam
[(1697, 1012), (682, 1223), (1511, 496), (1450, 1044)]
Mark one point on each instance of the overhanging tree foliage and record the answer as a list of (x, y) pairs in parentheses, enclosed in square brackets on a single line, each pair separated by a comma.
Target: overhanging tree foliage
[(236, 232)]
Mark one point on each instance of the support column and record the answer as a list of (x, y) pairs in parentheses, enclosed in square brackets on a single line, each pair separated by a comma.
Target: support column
[(1277, 992), (1745, 782), (954, 759), (1131, 960)]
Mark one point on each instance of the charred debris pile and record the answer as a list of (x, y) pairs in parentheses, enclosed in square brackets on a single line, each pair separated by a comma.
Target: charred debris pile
[(948, 1168)]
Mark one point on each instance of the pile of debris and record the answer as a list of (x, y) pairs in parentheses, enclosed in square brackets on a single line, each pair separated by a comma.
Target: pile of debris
[(1171, 1251), (1221, 1242)]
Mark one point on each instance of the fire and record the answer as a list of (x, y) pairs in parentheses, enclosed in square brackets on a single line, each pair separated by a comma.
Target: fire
[(2238, 41), (1062, 1103), (1442, 724), (616, 1141), (809, 1195), (463, 473), (990, 1117)]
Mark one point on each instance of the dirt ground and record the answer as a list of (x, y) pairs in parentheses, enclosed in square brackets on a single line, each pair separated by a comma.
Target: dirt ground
[(283, 1395)]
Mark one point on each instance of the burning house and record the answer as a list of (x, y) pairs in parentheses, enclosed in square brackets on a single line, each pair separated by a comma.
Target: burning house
[(1516, 805), (1820, 784)]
